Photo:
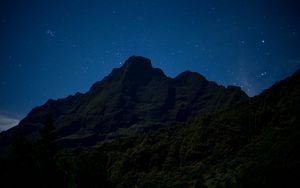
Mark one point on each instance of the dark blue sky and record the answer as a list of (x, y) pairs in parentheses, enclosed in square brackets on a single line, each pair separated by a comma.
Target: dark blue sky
[(50, 49)]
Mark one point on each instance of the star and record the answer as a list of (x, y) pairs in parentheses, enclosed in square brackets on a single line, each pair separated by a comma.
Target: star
[(261, 75), (50, 33), (263, 41), (242, 43)]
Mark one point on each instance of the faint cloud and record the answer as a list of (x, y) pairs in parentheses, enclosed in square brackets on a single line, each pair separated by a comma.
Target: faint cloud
[(7, 122)]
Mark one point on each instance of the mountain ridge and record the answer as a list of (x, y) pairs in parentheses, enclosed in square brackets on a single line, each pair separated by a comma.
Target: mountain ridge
[(133, 98)]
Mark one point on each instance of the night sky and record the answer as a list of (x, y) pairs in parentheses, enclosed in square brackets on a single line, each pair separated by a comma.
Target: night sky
[(51, 49)]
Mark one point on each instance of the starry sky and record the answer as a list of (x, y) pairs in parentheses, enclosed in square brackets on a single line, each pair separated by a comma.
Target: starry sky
[(54, 48)]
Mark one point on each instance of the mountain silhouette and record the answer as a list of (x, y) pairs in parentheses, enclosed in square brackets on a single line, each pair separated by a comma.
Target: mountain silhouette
[(148, 130), (132, 99)]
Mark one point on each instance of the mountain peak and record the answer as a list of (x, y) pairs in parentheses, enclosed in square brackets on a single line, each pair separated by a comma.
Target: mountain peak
[(137, 62), (139, 69), (190, 74), (136, 69), (188, 77)]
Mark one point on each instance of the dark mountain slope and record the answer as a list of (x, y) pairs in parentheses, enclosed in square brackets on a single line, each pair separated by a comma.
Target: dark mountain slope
[(131, 99), (253, 144)]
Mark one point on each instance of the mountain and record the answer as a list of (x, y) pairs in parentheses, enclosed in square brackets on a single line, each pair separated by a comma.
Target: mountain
[(253, 143), (132, 99)]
